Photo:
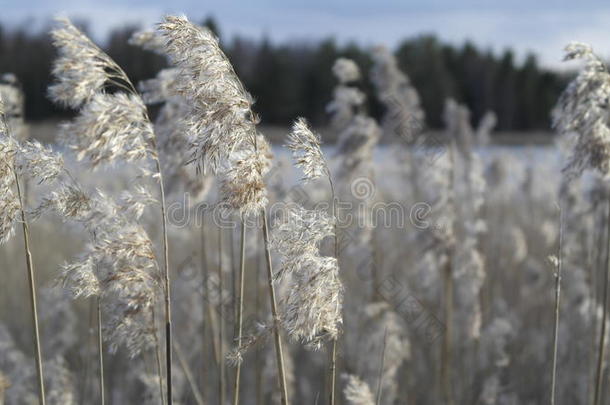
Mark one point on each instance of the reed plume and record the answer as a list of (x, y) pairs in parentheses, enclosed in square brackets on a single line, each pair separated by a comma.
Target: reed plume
[(404, 116), (582, 110), (11, 92), (222, 129), (20, 161), (347, 99), (112, 127), (172, 138), (118, 265), (312, 310), (358, 392)]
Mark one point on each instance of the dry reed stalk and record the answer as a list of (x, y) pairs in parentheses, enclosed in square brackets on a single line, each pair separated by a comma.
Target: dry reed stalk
[(166, 276), (257, 355), (333, 355), (100, 352), (158, 358), (84, 388), (446, 356), (188, 374), (168, 312), (603, 240), (274, 313), (32, 288), (380, 377), (234, 277), (332, 371), (558, 264), (205, 308), (240, 308), (599, 381), (221, 350), (446, 350)]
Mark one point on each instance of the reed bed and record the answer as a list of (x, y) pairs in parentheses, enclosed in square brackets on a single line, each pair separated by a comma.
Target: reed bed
[(397, 266)]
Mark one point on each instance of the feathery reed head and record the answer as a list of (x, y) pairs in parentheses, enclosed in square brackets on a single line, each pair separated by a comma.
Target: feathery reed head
[(357, 392), (299, 231), (149, 40), (306, 151), (9, 203), (12, 105), (130, 286), (311, 311), (81, 69), (583, 109), (161, 88), (108, 128), (220, 116), (346, 70), (80, 279), (38, 162), (486, 125), (356, 143), (404, 113), (242, 185), (579, 50)]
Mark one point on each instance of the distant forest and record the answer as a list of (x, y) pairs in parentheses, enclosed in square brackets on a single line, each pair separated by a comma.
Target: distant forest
[(294, 79)]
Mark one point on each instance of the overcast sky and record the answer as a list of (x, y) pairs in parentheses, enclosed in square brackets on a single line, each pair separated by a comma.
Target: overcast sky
[(540, 26)]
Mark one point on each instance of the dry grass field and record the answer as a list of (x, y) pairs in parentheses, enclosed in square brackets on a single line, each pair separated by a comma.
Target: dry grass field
[(195, 257)]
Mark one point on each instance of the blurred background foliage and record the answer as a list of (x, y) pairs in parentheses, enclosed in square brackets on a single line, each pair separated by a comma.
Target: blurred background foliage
[(293, 79)]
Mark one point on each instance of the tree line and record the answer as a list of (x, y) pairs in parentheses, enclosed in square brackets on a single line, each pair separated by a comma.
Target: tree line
[(293, 79)]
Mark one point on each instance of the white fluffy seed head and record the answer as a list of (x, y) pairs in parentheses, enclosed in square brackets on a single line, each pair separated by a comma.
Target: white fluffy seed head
[(149, 40), (79, 278), (578, 50), (458, 127), (127, 270), (346, 70), (311, 311), (110, 127), (299, 231), (172, 138), (9, 206), (306, 151), (356, 144), (242, 185), (220, 116), (38, 162), (12, 105), (358, 392), (160, 88), (9, 203), (582, 110), (344, 105), (80, 70), (486, 125), (404, 115)]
